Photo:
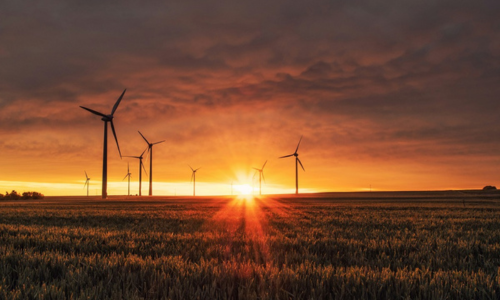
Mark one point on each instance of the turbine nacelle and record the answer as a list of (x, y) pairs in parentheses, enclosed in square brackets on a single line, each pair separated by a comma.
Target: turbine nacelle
[(194, 170), (107, 118)]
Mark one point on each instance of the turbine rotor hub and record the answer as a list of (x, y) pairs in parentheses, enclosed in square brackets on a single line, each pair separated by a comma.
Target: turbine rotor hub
[(108, 118)]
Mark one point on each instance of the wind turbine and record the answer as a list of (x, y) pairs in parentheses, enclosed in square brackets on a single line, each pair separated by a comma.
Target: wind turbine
[(193, 178), (140, 170), (107, 119), (297, 161), (128, 175), (87, 183), (261, 176), (150, 147)]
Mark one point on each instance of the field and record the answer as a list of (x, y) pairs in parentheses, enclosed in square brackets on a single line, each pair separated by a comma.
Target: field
[(413, 245)]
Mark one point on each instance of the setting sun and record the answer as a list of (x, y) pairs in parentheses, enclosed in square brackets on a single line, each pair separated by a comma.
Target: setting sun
[(243, 189)]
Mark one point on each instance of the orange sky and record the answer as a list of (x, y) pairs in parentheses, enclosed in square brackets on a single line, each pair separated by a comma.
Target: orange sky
[(399, 96)]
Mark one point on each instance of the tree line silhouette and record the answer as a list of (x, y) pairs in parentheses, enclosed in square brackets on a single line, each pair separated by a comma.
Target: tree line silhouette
[(16, 196)]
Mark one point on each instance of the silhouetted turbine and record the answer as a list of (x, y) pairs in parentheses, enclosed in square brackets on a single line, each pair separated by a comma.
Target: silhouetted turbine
[(140, 170), (128, 175), (150, 146), (106, 119), (87, 183), (297, 160), (261, 176), (193, 178)]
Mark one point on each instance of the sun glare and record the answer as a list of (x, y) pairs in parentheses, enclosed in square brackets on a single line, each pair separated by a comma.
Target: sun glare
[(243, 189)]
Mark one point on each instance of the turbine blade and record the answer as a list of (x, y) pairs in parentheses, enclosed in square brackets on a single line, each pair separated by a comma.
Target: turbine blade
[(264, 165), (158, 142), (192, 175), (301, 164), (144, 168), (116, 139), (197, 169), (286, 156), (256, 169), (263, 177), (191, 168), (143, 137), (94, 112), (144, 151), (125, 177), (118, 102), (132, 156), (147, 153), (86, 176), (298, 145)]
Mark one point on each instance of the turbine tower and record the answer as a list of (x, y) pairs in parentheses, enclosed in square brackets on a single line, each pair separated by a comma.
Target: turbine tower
[(140, 170), (150, 147), (107, 119), (297, 161), (87, 183), (193, 178), (128, 175), (261, 176)]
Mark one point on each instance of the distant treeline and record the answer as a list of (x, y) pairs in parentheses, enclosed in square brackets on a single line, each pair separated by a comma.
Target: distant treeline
[(16, 196), (489, 188)]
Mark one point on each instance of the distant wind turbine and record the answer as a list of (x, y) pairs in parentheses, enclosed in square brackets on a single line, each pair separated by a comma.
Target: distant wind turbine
[(150, 147), (193, 178), (107, 119), (261, 176), (128, 175), (87, 183), (140, 170), (297, 161)]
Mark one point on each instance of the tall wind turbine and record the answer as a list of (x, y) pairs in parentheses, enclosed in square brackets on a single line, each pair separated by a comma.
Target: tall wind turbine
[(87, 183), (140, 170), (193, 178), (128, 175), (150, 147), (261, 176), (107, 119), (297, 161)]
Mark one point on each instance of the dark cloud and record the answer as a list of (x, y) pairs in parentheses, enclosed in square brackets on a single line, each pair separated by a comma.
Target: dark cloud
[(388, 79)]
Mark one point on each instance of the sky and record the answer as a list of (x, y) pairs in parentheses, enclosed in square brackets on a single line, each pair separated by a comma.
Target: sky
[(388, 95)]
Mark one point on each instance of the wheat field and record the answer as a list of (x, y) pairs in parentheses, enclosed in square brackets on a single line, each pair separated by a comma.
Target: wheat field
[(415, 245)]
